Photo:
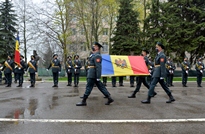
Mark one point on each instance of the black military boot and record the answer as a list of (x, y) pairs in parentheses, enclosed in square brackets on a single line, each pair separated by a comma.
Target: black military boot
[(82, 103), (171, 99), (147, 101), (110, 100), (132, 95)]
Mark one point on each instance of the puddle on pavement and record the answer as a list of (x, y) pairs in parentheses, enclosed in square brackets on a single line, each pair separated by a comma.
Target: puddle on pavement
[(33, 103), (11, 99)]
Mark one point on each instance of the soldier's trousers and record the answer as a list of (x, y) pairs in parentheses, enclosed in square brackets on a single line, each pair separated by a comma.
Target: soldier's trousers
[(8, 78), (168, 79), (99, 84), (121, 80), (20, 78), (114, 81), (69, 75), (155, 80), (199, 79), (184, 78), (104, 80), (76, 78), (141, 79), (33, 78), (132, 80), (55, 78)]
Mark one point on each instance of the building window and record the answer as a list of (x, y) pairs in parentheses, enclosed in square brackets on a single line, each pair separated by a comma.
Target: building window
[(105, 31), (105, 47)]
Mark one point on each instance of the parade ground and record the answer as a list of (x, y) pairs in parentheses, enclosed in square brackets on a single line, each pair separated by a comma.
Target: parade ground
[(48, 110)]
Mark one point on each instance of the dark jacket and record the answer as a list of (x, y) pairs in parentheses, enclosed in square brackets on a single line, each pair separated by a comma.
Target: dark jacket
[(8, 66), (56, 65), (159, 63), (95, 66), (69, 66), (77, 66), (32, 66), (199, 68), (22, 68)]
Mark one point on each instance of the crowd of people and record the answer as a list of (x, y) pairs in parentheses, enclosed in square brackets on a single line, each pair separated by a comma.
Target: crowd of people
[(161, 71)]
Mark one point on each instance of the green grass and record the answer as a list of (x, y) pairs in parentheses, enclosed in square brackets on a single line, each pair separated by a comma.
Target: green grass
[(109, 79)]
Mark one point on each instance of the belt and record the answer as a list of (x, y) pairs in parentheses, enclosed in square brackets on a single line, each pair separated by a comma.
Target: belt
[(156, 65), (91, 66), (55, 66)]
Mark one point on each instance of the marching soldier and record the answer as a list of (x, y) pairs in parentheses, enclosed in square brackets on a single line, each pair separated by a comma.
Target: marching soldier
[(33, 69), (69, 70), (199, 70), (93, 77), (8, 69), (142, 79), (150, 69), (158, 75), (56, 69), (77, 66), (185, 66), (20, 71)]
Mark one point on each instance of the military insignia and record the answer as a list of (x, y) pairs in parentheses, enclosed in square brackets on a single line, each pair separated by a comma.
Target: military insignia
[(98, 60), (161, 59)]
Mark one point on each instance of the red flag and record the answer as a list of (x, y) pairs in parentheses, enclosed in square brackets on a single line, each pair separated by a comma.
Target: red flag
[(17, 53)]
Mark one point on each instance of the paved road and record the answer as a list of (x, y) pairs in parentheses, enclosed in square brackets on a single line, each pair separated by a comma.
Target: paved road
[(47, 110)]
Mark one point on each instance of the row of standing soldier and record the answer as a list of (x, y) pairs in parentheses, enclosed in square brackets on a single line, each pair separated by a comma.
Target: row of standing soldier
[(10, 67)]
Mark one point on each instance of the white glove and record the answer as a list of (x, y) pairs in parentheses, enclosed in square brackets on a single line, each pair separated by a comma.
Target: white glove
[(98, 79), (161, 78), (59, 72), (201, 71), (46, 69)]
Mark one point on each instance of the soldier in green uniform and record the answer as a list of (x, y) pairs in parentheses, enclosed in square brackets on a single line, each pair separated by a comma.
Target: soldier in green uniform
[(8, 69), (94, 75), (142, 79), (170, 67), (69, 70), (199, 71), (20, 71), (159, 75), (56, 69), (185, 66), (77, 66), (32, 69)]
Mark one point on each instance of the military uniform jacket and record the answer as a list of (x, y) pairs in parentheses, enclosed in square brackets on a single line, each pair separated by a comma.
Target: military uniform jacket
[(33, 67), (69, 66), (159, 63), (10, 68), (77, 66), (170, 67), (55, 65), (22, 68), (95, 66), (199, 68), (185, 66)]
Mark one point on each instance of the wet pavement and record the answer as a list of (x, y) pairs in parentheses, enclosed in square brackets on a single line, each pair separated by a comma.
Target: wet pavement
[(48, 110)]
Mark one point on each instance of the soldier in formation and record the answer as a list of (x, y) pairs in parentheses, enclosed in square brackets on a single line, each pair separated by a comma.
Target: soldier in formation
[(56, 69), (199, 71), (32, 69)]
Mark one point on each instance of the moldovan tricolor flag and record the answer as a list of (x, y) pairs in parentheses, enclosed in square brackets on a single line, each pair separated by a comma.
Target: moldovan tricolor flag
[(118, 65), (17, 53)]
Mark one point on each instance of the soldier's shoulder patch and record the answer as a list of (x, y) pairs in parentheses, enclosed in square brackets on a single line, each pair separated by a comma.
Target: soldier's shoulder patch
[(98, 60), (161, 59)]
